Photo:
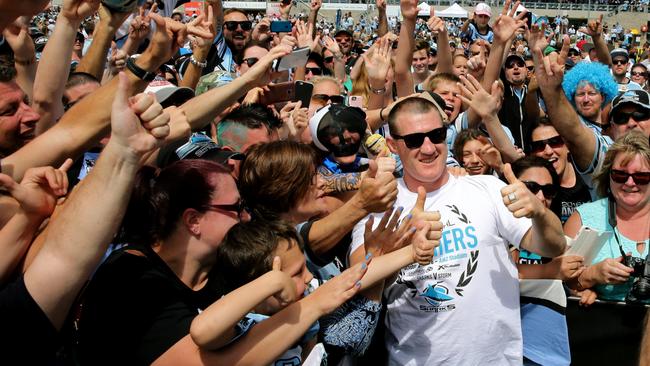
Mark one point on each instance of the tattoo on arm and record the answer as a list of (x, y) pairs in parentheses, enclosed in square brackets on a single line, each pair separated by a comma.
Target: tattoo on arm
[(337, 183)]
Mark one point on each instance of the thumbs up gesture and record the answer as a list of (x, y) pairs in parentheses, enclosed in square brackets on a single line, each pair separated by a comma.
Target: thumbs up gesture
[(518, 198), (378, 189), (428, 225)]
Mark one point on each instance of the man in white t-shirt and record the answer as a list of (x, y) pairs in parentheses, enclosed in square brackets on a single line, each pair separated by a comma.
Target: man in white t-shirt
[(463, 308)]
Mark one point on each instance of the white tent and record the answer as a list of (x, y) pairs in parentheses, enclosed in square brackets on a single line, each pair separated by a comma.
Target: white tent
[(454, 11), (423, 9)]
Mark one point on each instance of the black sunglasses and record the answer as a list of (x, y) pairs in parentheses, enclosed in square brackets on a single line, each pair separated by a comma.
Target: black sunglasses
[(250, 61), (622, 118), (328, 59), (619, 62), (232, 25), (519, 64), (548, 190), (639, 73), (574, 53), (530, 68), (314, 70), (639, 178), (238, 207), (415, 140), (540, 145), (324, 98)]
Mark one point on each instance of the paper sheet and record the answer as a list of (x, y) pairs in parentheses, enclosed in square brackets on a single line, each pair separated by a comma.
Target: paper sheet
[(588, 243)]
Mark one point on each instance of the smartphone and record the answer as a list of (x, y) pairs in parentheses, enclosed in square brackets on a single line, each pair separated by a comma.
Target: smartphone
[(281, 26), (296, 58), (528, 18), (303, 90), (355, 101), (278, 93)]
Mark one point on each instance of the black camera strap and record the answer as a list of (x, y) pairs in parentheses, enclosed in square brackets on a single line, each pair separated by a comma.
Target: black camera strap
[(612, 222)]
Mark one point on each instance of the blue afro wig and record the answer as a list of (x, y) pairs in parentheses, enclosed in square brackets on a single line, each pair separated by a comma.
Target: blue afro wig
[(594, 73)]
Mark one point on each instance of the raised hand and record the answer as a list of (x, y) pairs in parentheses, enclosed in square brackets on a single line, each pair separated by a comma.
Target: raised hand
[(140, 26), (287, 293), (489, 154), (21, 43), (117, 61), (507, 23), (594, 27), (436, 25), (39, 190), (262, 30), (77, 10), (537, 38), (477, 98), (518, 198), (378, 190), (377, 63), (549, 70), (257, 73), (138, 124), (389, 235), (315, 5), (381, 5), (201, 29), (304, 35), (409, 9), (429, 218), (333, 46), (330, 295)]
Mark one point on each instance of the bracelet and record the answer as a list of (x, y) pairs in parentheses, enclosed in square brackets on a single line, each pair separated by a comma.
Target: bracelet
[(139, 72), (381, 114), (25, 62), (200, 64), (378, 91)]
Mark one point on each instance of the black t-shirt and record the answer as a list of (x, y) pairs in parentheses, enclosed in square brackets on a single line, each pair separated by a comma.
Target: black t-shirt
[(568, 199), (27, 337), (134, 309)]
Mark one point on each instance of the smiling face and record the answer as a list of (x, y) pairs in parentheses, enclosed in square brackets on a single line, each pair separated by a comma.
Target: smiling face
[(639, 75), (633, 196), (425, 165), (557, 155), (345, 43), (471, 158), (420, 62), (588, 101), (237, 38)]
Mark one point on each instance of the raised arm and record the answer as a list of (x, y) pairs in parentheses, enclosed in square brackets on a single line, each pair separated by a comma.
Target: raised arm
[(438, 27), (314, 7), (200, 47), (339, 62), (382, 27), (595, 30), (94, 61), (54, 67), (88, 121), (79, 236), (22, 45), (405, 47), (377, 64), (549, 72)]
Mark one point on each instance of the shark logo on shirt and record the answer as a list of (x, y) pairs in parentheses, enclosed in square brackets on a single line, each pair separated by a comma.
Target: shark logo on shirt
[(436, 294)]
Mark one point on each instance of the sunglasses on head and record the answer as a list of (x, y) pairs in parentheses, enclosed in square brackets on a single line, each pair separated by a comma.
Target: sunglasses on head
[(328, 59), (548, 190), (540, 145), (237, 207), (324, 98), (232, 25), (314, 70), (512, 64), (622, 118), (619, 62), (250, 61), (415, 140), (639, 178)]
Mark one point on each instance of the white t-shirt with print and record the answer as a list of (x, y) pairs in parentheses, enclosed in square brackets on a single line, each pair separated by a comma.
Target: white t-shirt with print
[(463, 308)]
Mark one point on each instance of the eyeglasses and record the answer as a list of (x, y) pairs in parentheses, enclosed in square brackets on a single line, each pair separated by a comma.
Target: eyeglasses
[(548, 190), (245, 25), (324, 98), (619, 62), (314, 70), (622, 118), (511, 65), (553, 142), (530, 68), (415, 140), (250, 61), (328, 59), (238, 207), (639, 73), (639, 178)]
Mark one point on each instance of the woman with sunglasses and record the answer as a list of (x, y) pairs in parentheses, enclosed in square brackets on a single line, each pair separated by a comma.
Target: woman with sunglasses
[(147, 293), (639, 75), (624, 209), (543, 303)]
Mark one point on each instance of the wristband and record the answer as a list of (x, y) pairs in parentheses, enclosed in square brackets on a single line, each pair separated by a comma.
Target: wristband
[(200, 64), (139, 72), (378, 91), (381, 114)]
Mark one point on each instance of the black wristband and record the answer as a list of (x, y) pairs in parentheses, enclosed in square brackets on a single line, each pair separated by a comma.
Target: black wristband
[(139, 72)]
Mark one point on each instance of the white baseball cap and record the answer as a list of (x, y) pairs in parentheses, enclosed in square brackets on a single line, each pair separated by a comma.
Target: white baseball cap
[(483, 9)]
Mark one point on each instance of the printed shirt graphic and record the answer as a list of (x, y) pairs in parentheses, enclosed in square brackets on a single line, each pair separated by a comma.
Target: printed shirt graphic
[(463, 308)]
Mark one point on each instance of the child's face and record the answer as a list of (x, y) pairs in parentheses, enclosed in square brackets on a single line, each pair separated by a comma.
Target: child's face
[(294, 265)]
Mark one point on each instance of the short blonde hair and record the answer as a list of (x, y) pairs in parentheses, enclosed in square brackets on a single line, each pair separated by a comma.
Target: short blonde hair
[(631, 144)]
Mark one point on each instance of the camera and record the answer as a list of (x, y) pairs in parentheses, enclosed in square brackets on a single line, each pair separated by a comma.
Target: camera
[(640, 290)]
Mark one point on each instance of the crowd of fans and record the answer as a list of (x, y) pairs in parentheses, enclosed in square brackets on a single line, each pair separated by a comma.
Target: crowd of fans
[(238, 188)]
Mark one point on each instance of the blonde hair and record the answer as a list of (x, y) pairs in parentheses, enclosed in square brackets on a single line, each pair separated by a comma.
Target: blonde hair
[(631, 144)]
